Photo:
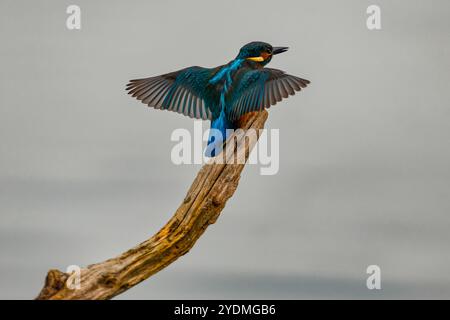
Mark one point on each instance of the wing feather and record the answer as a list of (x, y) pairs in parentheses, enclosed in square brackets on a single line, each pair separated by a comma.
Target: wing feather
[(262, 88), (180, 91)]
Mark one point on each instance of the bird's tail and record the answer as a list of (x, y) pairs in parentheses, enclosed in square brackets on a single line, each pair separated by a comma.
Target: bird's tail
[(218, 134)]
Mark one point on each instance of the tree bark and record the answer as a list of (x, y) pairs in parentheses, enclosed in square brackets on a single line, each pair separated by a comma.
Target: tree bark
[(213, 186)]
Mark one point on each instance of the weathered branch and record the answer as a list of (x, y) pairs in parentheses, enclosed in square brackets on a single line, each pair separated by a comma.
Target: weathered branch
[(213, 186)]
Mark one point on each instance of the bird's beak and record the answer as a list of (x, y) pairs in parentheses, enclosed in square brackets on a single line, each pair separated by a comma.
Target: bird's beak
[(277, 50)]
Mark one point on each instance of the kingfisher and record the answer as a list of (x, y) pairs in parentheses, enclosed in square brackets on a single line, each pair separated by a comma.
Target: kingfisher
[(222, 94)]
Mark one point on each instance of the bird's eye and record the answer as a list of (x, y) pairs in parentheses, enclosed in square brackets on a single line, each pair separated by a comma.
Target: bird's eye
[(269, 51)]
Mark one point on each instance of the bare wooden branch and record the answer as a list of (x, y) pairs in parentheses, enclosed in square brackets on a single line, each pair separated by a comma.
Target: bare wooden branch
[(213, 186)]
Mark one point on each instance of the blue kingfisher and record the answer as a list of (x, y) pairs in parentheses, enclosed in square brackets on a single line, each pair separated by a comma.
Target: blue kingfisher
[(222, 94)]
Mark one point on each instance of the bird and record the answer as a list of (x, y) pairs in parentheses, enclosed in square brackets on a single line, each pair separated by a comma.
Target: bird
[(221, 94)]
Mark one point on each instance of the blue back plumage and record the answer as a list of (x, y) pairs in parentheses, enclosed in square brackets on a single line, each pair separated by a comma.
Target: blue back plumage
[(218, 133)]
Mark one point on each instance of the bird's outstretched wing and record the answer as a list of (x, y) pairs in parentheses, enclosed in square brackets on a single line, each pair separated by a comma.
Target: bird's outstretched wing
[(262, 88), (179, 91)]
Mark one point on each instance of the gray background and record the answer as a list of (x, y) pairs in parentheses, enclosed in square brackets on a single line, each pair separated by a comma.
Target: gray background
[(85, 171)]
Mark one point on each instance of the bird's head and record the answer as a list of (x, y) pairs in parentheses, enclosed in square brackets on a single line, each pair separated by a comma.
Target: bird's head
[(259, 52)]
